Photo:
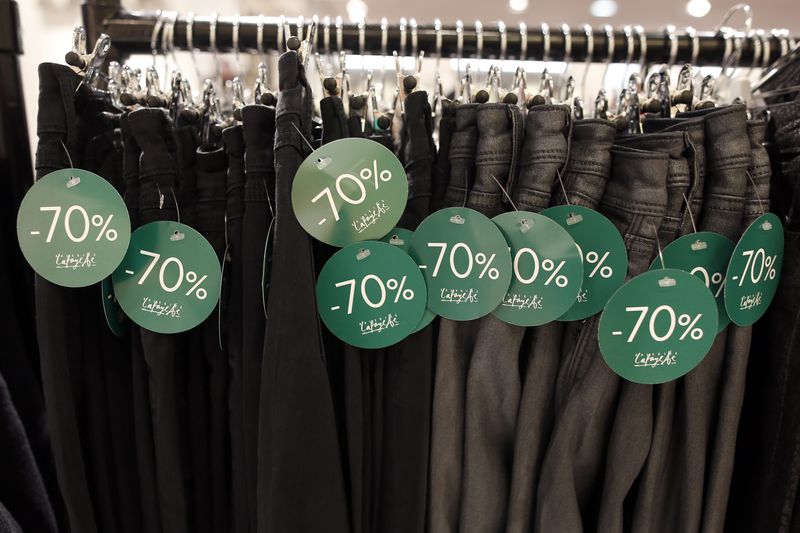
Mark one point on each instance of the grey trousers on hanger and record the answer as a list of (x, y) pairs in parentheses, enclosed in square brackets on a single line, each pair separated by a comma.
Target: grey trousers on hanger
[(571, 479), (584, 179)]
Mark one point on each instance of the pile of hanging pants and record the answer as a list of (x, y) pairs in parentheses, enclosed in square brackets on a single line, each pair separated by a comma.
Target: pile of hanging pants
[(261, 421)]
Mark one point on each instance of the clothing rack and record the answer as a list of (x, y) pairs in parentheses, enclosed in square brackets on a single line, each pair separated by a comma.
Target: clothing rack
[(132, 33)]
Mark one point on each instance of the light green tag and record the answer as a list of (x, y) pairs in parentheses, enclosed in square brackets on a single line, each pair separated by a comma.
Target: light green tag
[(706, 255), (170, 279), (465, 260), (371, 294), (401, 238), (755, 270), (605, 259), (73, 227), (115, 317), (348, 191), (658, 326), (547, 268)]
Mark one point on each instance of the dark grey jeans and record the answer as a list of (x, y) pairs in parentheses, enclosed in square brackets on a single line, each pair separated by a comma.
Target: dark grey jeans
[(572, 473), (584, 178)]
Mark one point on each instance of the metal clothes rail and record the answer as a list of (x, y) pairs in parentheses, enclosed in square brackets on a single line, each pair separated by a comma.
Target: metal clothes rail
[(133, 32)]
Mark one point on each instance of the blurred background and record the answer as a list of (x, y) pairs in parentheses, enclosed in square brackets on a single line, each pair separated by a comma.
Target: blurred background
[(47, 27)]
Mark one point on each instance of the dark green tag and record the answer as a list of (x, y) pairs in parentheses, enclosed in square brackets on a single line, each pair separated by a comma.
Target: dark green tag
[(170, 279), (115, 317), (371, 294), (547, 269), (658, 326), (348, 191), (401, 238), (706, 255), (605, 259), (465, 260), (755, 270), (73, 227)]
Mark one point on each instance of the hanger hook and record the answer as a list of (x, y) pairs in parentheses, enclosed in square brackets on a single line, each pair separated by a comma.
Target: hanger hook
[(235, 39), (403, 36), (608, 29), (766, 48), (437, 28), (567, 33), (691, 33), (640, 31), (589, 33), (545, 42), (630, 43), (338, 27), (743, 8), (326, 35), (362, 25), (501, 28), (523, 41), (479, 40), (669, 30), (757, 49), (260, 37), (781, 36), (154, 36), (459, 45), (414, 38)]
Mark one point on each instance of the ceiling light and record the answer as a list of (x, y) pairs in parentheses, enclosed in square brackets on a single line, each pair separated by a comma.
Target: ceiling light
[(698, 8), (356, 10), (603, 8), (517, 6)]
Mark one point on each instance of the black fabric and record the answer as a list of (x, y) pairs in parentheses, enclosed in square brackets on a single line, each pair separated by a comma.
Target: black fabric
[(300, 476), (157, 181), (22, 489), (211, 189), (258, 128), (232, 320)]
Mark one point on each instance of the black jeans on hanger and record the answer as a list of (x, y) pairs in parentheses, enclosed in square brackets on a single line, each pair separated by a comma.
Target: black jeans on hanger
[(258, 128), (232, 319), (584, 178), (441, 168), (157, 176), (408, 366), (300, 476), (571, 478), (635, 425), (142, 422), (212, 166)]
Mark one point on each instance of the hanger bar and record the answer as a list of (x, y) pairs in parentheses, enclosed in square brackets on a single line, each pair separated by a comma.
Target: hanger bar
[(131, 33)]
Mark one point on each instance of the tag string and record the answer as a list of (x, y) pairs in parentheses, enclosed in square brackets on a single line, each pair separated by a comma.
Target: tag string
[(660, 254), (689, 210), (563, 188), (466, 189), (755, 190), (504, 192), (64, 146), (303, 136), (269, 201), (177, 209)]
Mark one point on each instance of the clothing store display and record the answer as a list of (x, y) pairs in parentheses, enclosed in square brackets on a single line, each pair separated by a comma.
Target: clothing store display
[(260, 419)]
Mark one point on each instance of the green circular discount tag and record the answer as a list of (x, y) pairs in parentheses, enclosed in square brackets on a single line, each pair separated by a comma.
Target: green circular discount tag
[(348, 191), (371, 294), (706, 255), (547, 269), (401, 238), (465, 260), (73, 227), (170, 279), (755, 270), (658, 326), (603, 253)]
